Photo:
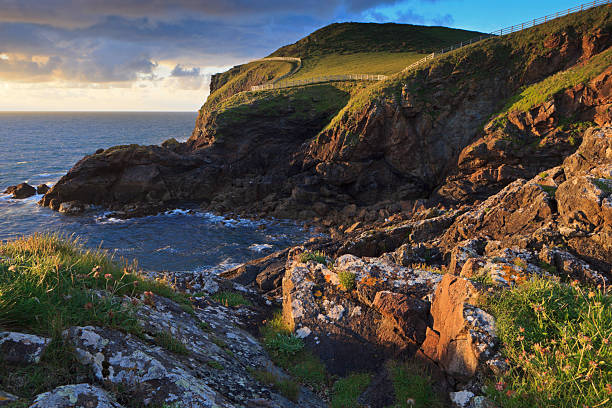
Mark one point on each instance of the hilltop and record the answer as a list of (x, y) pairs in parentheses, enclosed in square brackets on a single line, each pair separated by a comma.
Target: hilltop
[(467, 203)]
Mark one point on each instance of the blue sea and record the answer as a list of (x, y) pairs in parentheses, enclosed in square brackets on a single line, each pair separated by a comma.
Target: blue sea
[(41, 147)]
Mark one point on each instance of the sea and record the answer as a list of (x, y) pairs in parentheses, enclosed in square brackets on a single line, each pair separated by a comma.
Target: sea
[(41, 147)]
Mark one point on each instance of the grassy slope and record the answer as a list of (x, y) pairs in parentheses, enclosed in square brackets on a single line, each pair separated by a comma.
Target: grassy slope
[(47, 284), (513, 52), (242, 77)]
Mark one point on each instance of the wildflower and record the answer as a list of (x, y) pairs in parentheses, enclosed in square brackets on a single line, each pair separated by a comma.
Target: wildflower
[(12, 268), (410, 402), (500, 385), (88, 305), (591, 294), (575, 282), (609, 388), (593, 364), (605, 341), (509, 393), (148, 293), (522, 330), (107, 276), (520, 338), (111, 314)]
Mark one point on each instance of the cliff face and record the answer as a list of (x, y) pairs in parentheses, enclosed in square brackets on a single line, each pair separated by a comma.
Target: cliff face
[(343, 152)]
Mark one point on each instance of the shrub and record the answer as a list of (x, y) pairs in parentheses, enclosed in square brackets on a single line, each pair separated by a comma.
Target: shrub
[(347, 280), (230, 299), (557, 339), (317, 256)]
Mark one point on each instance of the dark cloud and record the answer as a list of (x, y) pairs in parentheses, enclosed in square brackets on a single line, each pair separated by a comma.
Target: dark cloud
[(119, 40), (179, 71)]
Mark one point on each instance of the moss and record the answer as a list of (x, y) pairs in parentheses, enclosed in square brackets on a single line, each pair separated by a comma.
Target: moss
[(550, 190)]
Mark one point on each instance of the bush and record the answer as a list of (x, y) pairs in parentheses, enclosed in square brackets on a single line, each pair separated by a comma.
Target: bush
[(317, 256), (347, 280), (557, 339)]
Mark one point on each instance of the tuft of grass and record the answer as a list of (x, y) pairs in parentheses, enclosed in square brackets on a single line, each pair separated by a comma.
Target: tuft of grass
[(346, 390), (205, 326), (284, 345), (286, 387), (317, 256), (170, 343), (550, 190), (347, 280), (231, 299), (215, 364), (556, 337), (413, 387)]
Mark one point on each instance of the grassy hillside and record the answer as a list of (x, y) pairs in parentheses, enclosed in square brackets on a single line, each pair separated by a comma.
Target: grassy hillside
[(344, 48), (242, 77)]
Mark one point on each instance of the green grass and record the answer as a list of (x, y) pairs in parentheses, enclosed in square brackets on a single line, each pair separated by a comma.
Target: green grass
[(603, 184), (381, 63), (316, 256), (214, 364), (550, 190), (49, 283), (230, 299), (557, 338), (544, 90), (170, 343), (346, 390), (288, 352), (412, 387), (286, 387), (347, 280)]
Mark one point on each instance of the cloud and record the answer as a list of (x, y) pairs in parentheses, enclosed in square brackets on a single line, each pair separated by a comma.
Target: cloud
[(179, 71)]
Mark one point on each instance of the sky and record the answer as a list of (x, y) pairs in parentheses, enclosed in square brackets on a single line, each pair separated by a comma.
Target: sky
[(158, 55)]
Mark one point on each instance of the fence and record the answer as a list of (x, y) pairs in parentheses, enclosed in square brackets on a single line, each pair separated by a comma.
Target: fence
[(316, 80)]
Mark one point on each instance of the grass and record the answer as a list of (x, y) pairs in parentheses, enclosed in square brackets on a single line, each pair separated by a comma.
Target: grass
[(214, 364), (556, 337), (413, 387), (231, 299), (347, 280), (346, 390), (170, 343), (550, 190), (286, 387), (544, 90), (381, 63), (49, 283), (317, 256), (288, 352)]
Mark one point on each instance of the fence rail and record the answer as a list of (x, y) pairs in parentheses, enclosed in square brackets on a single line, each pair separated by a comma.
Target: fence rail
[(316, 80), (498, 33)]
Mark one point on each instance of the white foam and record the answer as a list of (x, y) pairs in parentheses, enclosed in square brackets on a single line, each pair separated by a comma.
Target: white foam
[(260, 247)]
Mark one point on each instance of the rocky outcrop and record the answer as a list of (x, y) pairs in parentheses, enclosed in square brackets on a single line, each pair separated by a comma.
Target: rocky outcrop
[(78, 395), (20, 191)]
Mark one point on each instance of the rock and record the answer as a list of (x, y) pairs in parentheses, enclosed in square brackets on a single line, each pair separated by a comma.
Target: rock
[(78, 395), (482, 402), (6, 398), (42, 189), (71, 207), (271, 277), (23, 190), (463, 336), (407, 314), (461, 399), (243, 274), (21, 348)]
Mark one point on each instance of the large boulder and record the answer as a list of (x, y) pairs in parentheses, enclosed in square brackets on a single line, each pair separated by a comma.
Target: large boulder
[(23, 190), (462, 338)]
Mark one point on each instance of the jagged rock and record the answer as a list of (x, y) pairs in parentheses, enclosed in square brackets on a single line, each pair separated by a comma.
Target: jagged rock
[(21, 348), (6, 398), (463, 336), (78, 396), (71, 207), (243, 274), (42, 189), (23, 190), (271, 277), (382, 314)]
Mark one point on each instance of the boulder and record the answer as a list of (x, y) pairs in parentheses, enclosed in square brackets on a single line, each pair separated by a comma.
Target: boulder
[(271, 277), (42, 189), (77, 395), (71, 207), (21, 348), (23, 190), (462, 338)]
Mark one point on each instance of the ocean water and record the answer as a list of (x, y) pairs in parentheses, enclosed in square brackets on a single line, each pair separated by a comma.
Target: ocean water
[(41, 147)]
